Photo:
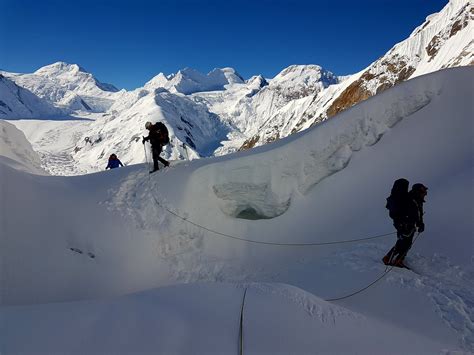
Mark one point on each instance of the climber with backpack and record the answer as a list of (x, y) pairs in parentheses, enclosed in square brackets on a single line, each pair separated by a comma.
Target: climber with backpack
[(158, 137), (406, 210)]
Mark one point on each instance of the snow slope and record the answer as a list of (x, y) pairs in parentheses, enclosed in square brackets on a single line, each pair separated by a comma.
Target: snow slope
[(16, 151), (328, 183)]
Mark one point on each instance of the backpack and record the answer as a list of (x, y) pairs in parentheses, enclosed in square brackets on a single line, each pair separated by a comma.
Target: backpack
[(396, 202), (164, 135)]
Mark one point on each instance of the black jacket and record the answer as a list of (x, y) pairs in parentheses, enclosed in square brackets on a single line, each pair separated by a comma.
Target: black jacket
[(154, 136)]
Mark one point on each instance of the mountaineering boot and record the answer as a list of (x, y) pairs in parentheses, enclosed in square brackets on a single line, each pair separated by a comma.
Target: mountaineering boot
[(151, 172), (400, 263), (387, 259)]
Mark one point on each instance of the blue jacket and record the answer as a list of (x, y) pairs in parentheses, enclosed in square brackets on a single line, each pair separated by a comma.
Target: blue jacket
[(113, 163)]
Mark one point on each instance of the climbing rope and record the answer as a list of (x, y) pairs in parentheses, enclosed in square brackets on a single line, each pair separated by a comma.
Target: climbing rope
[(261, 242), (385, 273), (241, 325)]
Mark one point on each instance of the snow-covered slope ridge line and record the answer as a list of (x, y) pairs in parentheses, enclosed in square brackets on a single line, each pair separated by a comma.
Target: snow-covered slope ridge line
[(159, 317), (444, 40)]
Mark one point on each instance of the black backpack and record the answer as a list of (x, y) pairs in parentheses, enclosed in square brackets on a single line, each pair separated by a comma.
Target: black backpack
[(396, 202), (164, 135)]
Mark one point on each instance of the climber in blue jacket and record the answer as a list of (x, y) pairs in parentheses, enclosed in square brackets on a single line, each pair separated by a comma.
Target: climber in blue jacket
[(114, 162)]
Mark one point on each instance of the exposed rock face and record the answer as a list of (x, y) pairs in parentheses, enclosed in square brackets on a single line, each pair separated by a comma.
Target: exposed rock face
[(382, 75), (462, 18), (250, 143)]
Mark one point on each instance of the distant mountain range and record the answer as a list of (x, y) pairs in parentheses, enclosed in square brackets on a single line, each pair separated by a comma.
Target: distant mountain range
[(220, 112)]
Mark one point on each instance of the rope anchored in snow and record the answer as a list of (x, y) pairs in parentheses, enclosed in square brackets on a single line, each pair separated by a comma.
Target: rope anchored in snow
[(385, 273)]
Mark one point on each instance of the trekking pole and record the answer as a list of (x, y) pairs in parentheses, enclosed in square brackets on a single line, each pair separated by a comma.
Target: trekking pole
[(146, 158)]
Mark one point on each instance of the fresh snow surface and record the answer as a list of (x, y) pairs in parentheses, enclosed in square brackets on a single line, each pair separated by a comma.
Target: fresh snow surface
[(97, 263)]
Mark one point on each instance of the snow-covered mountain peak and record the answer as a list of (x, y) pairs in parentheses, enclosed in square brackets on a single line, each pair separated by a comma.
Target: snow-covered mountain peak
[(74, 75), (304, 75), (59, 68), (187, 81), (58, 82), (226, 74), (257, 82)]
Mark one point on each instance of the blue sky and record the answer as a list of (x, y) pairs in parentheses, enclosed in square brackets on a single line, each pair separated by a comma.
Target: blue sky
[(126, 43)]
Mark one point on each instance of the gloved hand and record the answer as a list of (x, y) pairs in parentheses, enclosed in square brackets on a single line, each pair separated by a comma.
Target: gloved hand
[(421, 228), (143, 140)]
